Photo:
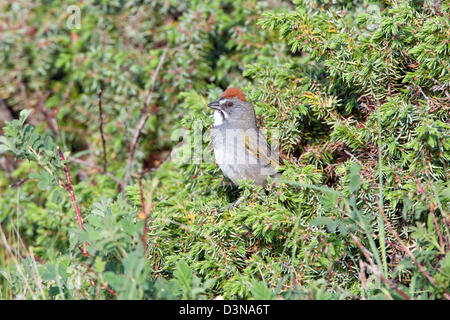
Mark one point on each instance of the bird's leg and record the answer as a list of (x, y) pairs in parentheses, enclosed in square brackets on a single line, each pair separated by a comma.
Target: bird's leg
[(238, 202)]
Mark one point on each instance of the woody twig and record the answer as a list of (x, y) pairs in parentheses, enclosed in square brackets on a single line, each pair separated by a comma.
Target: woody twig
[(69, 188), (144, 117)]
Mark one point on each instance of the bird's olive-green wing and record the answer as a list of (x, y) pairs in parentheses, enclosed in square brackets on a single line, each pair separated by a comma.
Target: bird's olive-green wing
[(256, 144)]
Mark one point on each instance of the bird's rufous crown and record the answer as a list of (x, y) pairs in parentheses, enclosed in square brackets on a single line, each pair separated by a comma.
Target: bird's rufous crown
[(234, 92)]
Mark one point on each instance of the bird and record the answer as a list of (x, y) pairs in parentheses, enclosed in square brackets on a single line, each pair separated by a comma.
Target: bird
[(240, 149)]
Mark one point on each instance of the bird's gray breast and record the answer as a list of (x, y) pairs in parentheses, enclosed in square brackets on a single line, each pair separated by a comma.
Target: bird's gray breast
[(226, 144), (232, 156), (229, 151)]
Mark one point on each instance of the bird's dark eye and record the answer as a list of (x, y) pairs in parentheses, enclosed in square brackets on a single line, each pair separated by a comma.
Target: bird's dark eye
[(229, 104)]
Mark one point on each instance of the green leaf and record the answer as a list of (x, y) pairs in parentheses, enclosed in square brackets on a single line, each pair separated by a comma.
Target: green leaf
[(4, 148), (5, 144), (260, 291), (183, 274), (99, 264), (24, 114), (354, 178), (326, 221), (53, 101)]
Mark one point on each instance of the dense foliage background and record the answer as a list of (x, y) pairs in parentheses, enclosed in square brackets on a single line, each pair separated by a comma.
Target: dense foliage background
[(359, 91)]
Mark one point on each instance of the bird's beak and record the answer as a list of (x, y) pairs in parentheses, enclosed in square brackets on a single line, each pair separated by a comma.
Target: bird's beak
[(214, 104)]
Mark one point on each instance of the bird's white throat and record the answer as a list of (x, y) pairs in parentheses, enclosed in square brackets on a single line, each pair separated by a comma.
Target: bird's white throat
[(218, 117)]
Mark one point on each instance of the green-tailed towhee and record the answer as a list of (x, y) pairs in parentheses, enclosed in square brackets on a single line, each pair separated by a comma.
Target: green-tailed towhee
[(240, 148)]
